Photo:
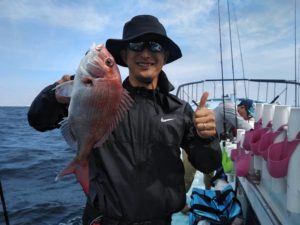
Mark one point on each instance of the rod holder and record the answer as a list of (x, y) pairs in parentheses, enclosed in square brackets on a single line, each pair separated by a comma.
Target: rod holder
[(281, 117), (258, 111), (293, 177)]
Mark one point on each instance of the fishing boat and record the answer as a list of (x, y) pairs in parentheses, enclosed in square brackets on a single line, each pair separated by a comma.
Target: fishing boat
[(268, 187), (266, 159), (274, 196)]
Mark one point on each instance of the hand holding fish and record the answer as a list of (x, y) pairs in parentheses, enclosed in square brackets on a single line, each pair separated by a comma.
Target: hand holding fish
[(204, 119), (60, 98)]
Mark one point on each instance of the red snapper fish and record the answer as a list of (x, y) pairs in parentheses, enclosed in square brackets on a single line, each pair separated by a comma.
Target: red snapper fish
[(97, 103)]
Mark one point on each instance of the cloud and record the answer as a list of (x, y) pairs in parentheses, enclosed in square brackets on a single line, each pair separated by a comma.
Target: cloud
[(271, 22), (64, 14), (45, 39)]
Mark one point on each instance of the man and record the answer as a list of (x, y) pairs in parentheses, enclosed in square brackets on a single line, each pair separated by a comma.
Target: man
[(235, 118), (137, 176)]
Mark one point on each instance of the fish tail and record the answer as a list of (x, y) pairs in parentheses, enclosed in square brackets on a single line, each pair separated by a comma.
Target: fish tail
[(81, 171)]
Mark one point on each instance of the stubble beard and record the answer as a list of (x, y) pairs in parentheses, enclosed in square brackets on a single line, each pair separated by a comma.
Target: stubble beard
[(145, 80)]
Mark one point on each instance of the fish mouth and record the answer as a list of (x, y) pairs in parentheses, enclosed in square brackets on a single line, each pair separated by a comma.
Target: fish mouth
[(99, 47)]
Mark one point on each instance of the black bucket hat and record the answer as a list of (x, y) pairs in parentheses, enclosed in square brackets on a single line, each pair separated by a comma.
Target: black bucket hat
[(138, 27)]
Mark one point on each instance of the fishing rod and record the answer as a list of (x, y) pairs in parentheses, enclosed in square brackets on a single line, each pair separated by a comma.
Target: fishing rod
[(3, 205), (232, 68), (296, 95), (298, 74), (273, 101), (193, 101), (240, 48), (222, 74)]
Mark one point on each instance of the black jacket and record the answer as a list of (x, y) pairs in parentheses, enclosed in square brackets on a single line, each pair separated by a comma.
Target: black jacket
[(137, 174)]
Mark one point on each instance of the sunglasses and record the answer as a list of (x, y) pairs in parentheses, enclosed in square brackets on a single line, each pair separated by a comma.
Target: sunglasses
[(140, 46)]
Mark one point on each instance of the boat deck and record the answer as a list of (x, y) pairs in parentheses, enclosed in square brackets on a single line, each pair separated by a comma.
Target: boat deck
[(180, 219)]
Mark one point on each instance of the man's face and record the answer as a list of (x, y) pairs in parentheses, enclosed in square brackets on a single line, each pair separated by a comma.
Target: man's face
[(243, 112), (145, 64)]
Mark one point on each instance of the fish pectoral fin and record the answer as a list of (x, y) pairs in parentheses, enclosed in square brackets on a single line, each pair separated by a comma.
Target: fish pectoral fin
[(125, 103), (64, 89), (67, 133)]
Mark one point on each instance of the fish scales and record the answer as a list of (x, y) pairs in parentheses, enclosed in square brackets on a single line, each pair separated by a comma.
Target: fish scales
[(98, 102)]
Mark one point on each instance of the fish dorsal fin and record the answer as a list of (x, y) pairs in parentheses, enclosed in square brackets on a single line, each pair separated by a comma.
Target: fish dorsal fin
[(67, 133), (64, 89), (125, 103)]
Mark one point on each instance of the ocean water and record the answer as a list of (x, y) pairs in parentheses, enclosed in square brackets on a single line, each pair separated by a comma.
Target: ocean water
[(29, 163)]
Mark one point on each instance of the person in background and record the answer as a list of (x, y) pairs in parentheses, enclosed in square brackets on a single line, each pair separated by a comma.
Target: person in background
[(137, 175), (235, 118)]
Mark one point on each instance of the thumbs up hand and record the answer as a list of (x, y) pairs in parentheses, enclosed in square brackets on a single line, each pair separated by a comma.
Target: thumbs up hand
[(204, 119)]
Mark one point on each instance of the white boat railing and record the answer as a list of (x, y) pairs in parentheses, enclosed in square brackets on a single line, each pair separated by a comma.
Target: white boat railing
[(284, 92)]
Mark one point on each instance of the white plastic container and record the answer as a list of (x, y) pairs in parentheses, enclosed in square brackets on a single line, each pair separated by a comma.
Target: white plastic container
[(293, 176)]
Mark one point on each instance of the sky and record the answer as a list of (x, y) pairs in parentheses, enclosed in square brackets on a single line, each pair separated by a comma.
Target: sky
[(42, 40)]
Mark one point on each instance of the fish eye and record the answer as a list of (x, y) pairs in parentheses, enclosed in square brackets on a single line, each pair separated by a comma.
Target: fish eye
[(109, 62)]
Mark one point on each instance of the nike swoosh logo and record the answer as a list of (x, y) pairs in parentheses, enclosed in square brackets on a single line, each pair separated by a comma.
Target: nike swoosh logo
[(165, 120)]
